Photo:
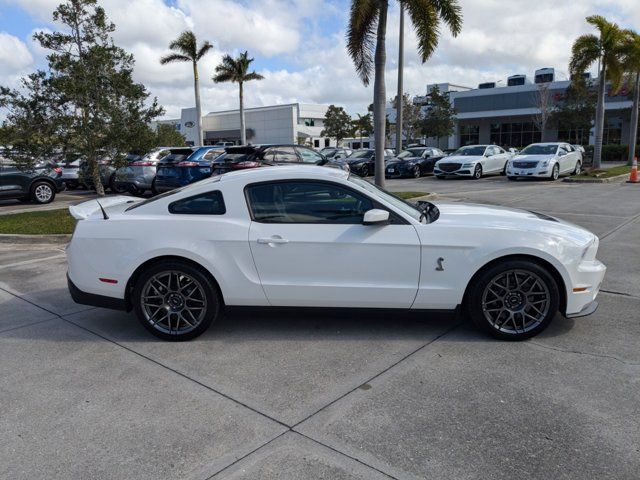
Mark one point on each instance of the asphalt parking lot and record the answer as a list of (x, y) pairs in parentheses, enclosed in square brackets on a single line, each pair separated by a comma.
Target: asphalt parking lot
[(88, 393)]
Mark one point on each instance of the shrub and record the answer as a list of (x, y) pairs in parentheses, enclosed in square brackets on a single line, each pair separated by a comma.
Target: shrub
[(612, 153)]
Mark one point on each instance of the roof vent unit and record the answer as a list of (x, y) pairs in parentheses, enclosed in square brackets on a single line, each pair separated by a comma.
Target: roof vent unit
[(515, 80), (545, 75), (482, 86)]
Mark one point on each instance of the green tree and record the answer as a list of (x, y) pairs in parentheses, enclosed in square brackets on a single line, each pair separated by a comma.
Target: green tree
[(412, 117), (337, 123), (604, 48), (366, 44), (237, 70), (102, 111), (574, 112), (362, 126), (440, 118), (631, 61), (168, 136), (186, 49)]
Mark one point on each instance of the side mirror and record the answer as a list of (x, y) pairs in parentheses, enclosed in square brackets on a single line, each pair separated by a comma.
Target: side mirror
[(376, 217)]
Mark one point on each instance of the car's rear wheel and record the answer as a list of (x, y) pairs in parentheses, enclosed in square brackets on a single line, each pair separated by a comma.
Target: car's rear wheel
[(578, 169), (416, 171), (153, 187), (176, 301), (477, 172), (42, 192), (513, 300)]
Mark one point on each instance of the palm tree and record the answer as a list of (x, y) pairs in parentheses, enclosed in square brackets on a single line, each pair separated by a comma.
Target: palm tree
[(237, 70), (631, 60), (186, 50), (366, 46), (605, 49)]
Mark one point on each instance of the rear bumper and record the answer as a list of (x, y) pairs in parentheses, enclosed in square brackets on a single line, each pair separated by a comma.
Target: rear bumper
[(94, 300)]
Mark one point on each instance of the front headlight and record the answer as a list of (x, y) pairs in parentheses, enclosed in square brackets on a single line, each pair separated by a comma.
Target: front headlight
[(544, 163), (467, 165)]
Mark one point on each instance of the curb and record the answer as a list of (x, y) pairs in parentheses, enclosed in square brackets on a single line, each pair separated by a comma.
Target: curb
[(58, 239), (427, 196), (596, 180)]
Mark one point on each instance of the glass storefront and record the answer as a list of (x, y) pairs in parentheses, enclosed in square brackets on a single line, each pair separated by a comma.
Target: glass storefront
[(469, 135), (517, 134)]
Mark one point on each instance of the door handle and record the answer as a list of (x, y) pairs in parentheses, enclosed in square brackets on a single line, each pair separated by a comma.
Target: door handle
[(273, 240)]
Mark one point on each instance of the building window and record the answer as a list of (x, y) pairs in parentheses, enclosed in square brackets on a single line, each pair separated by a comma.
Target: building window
[(516, 134), (469, 135), (327, 141), (316, 143), (612, 131), (576, 136), (308, 122)]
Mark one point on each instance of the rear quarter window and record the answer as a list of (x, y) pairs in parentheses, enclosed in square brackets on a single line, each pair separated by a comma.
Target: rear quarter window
[(210, 203)]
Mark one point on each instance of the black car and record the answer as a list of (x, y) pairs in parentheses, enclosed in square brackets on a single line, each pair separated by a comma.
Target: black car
[(363, 162), (413, 162), (252, 156), (38, 184)]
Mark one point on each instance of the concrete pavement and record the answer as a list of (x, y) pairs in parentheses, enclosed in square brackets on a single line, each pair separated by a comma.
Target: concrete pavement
[(88, 393)]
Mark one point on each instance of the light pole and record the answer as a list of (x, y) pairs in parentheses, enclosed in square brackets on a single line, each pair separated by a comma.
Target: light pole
[(400, 96)]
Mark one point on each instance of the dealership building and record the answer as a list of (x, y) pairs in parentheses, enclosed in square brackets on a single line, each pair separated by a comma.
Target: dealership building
[(505, 114), (300, 123)]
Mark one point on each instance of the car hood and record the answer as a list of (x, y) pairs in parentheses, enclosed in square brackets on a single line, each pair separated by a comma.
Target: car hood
[(357, 160), (405, 159), (460, 159), (489, 216), (532, 158)]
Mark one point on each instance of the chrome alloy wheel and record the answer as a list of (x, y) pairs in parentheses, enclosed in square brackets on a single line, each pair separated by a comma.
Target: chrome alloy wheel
[(43, 193), (173, 302), (516, 301)]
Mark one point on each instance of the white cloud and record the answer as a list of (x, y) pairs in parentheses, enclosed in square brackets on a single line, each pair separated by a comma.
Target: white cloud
[(14, 54), (498, 39)]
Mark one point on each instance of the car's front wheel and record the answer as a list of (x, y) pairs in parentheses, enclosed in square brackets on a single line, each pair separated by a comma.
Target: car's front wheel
[(364, 172), (555, 173), (416, 171), (176, 301), (513, 300), (42, 192), (477, 172)]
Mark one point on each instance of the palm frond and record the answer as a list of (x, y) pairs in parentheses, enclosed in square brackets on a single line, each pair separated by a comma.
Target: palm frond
[(206, 46), (451, 13), (253, 76), (425, 20), (174, 57), (361, 36), (185, 44), (584, 52), (222, 77), (235, 69)]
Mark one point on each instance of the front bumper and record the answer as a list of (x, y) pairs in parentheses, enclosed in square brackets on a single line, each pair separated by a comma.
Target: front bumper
[(581, 296), (536, 172), (463, 172)]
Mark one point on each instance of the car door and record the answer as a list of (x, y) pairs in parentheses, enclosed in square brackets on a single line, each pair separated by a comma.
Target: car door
[(563, 158), (311, 249), (570, 159), (12, 180), (502, 157), (493, 160)]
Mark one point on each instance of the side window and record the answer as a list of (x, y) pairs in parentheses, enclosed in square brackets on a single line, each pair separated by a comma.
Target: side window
[(306, 202), (285, 155), (210, 155), (210, 203), (269, 155), (309, 156)]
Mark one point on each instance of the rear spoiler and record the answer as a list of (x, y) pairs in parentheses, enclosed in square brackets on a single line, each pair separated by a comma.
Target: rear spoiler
[(92, 208)]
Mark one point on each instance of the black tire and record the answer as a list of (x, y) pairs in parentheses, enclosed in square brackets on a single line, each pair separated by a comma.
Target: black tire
[(364, 171), (513, 179), (154, 192), (42, 193), (578, 168), (555, 173), (416, 172), (114, 187), (505, 328), (477, 172), (207, 288)]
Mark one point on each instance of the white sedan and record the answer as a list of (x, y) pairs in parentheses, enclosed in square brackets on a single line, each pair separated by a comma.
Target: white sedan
[(546, 160), (473, 161), (318, 237)]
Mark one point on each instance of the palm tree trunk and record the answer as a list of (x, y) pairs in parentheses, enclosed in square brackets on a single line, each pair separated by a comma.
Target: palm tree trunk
[(633, 134), (196, 86), (400, 97), (599, 124), (380, 94), (243, 133)]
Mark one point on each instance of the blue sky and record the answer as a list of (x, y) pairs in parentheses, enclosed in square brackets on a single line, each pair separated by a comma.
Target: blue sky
[(299, 45)]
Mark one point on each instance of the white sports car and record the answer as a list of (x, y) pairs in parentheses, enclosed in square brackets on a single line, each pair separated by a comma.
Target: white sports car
[(319, 237), (547, 160), (473, 161)]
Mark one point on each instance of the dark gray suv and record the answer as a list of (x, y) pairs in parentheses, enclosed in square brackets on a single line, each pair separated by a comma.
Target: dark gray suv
[(38, 184)]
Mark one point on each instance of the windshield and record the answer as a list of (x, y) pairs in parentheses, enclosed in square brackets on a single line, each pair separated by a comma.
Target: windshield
[(329, 152), (412, 152), (400, 204), (540, 150), (361, 154), (468, 151)]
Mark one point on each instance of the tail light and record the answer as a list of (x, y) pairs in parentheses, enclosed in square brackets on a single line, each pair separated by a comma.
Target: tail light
[(57, 170), (187, 164), (247, 164), (142, 164)]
